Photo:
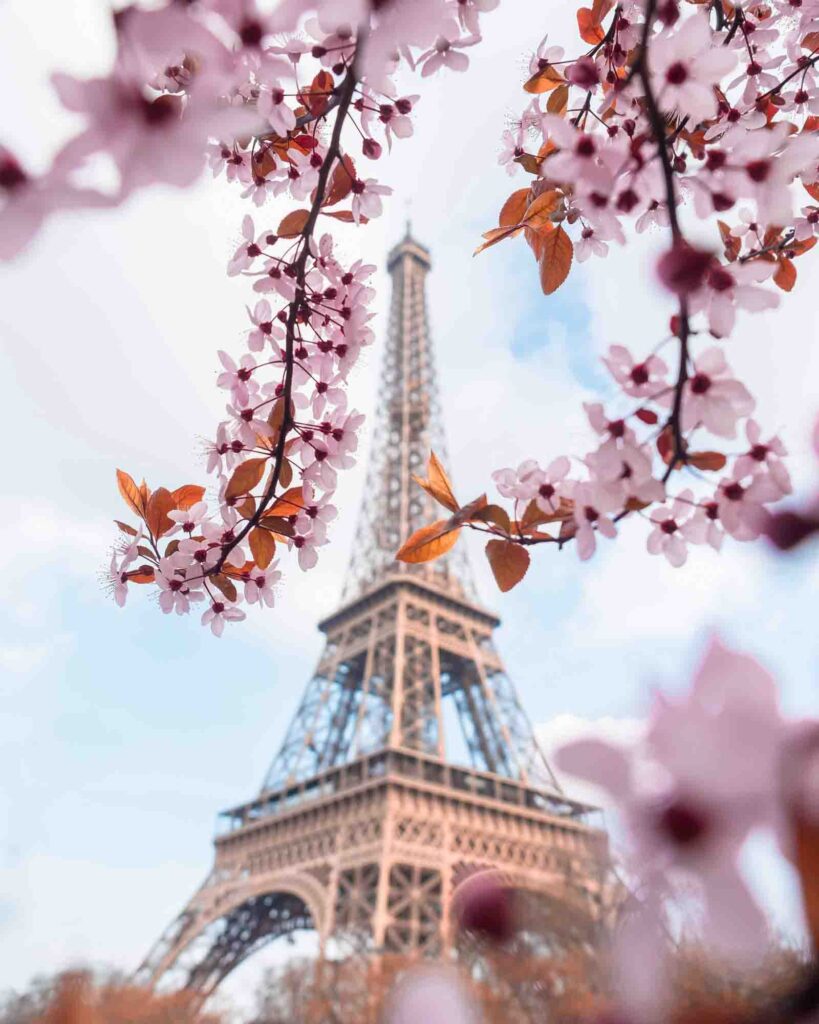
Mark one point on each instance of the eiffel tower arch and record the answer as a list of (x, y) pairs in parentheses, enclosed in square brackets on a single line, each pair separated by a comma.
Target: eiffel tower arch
[(365, 825)]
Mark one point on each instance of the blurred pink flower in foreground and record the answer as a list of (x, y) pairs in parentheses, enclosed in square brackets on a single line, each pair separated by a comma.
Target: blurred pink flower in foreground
[(703, 779)]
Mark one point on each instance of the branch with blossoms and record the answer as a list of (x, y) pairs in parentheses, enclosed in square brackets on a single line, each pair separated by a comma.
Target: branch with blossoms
[(676, 113), (279, 117)]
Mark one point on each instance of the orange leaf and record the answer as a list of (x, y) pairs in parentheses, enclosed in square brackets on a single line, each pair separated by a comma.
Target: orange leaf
[(437, 484), (785, 276), (508, 562), (345, 215), (712, 461), (495, 515), (496, 235), (126, 528), (558, 101), (429, 542), (555, 260), (187, 495), (341, 182), (159, 506), (812, 190), (539, 211), (545, 80), (590, 29), (262, 547), (224, 584), (245, 477), (130, 493), (289, 504), (514, 208), (278, 526), (293, 223), (144, 574)]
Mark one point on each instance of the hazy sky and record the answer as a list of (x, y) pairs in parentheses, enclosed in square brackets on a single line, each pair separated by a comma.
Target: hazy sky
[(124, 732)]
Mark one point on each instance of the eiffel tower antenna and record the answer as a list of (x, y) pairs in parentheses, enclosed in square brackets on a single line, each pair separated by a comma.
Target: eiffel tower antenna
[(365, 823)]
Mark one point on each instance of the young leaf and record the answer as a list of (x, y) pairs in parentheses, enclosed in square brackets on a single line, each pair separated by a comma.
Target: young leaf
[(341, 181), (289, 504), (277, 525), (144, 574), (187, 495), (514, 208), (429, 542), (508, 562), (262, 547), (130, 493), (224, 584), (558, 101), (590, 29), (126, 528), (437, 484), (156, 516), (245, 477), (539, 211), (544, 80), (713, 461), (495, 515), (293, 224), (555, 260), (495, 235), (785, 276)]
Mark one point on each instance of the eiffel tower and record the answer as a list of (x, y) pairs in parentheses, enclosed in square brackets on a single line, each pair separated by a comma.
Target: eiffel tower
[(364, 827)]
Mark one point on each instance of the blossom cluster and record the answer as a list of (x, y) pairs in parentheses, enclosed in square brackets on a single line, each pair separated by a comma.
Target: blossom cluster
[(677, 114), (290, 104)]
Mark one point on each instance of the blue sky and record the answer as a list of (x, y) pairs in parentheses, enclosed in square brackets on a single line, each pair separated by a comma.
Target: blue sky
[(125, 732)]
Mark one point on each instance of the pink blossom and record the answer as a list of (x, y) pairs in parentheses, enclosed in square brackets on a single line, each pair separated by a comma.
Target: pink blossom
[(264, 327), (740, 505), (686, 64), (731, 286), (445, 53), (643, 379), (188, 519), (591, 507), (367, 198), (717, 749), (150, 139), (305, 545), (218, 614), (259, 586), (668, 537), (713, 398), (175, 593), (764, 455)]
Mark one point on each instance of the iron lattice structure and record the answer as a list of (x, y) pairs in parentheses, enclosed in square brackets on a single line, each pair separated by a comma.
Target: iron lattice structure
[(364, 825)]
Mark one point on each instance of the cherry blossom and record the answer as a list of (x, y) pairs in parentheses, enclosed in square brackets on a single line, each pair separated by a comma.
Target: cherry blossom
[(686, 64), (218, 614)]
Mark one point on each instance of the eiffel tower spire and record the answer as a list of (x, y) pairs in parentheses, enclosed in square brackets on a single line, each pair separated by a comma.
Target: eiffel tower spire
[(408, 425), (367, 822)]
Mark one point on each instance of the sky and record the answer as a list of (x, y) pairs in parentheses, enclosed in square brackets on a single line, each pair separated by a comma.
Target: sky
[(124, 731)]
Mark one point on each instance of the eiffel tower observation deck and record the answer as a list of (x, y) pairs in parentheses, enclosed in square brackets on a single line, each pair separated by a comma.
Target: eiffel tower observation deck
[(365, 824)]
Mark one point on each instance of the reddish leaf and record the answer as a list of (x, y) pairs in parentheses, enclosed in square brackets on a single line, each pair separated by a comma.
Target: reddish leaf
[(538, 213), (558, 101), (545, 80), (508, 562), (555, 260), (126, 528), (289, 504), (144, 574), (429, 542), (665, 444), (647, 416), (495, 235), (345, 215), (187, 495), (262, 547), (437, 484), (785, 276), (172, 548), (130, 493), (279, 526), (341, 181), (293, 224), (514, 208), (495, 515), (711, 461), (245, 477), (590, 30), (221, 582), (156, 515)]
